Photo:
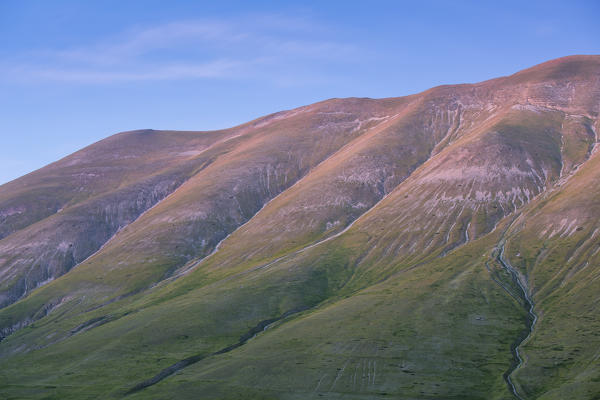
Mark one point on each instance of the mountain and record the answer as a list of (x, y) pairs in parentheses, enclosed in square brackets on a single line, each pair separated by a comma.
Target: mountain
[(440, 245)]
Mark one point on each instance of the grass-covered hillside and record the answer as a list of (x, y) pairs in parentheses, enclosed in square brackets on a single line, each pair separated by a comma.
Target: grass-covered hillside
[(444, 245)]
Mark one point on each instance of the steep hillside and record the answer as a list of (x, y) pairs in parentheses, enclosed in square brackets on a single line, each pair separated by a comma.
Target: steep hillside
[(56, 217), (440, 245)]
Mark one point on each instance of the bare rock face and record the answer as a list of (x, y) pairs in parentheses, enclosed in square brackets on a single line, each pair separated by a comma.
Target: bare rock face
[(458, 200)]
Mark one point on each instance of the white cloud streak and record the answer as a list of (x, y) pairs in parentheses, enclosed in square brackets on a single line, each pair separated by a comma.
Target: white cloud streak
[(265, 46), (213, 69)]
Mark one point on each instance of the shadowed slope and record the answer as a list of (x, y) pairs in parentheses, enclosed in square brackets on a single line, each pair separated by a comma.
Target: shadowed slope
[(67, 210)]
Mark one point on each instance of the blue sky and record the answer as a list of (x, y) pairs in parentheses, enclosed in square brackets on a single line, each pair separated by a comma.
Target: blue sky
[(74, 72)]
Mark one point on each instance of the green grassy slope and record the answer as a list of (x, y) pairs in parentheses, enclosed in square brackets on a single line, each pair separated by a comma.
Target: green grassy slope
[(68, 209), (557, 247), (442, 330), (409, 301), (237, 177)]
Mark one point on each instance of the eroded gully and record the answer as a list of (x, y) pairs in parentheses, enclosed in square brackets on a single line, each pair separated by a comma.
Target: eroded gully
[(179, 365), (528, 304)]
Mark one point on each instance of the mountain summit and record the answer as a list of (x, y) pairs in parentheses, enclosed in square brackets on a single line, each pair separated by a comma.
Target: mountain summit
[(440, 245)]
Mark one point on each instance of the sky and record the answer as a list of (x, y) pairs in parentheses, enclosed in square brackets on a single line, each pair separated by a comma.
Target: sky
[(75, 72)]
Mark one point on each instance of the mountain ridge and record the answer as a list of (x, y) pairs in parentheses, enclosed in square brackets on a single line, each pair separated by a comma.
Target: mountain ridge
[(308, 209)]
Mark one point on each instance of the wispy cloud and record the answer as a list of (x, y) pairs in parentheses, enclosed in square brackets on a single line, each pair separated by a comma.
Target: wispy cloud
[(213, 69), (267, 46)]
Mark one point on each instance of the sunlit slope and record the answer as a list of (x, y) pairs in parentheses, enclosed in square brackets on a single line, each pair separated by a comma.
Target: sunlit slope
[(506, 150), (364, 233), (444, 329), (404, 337)]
